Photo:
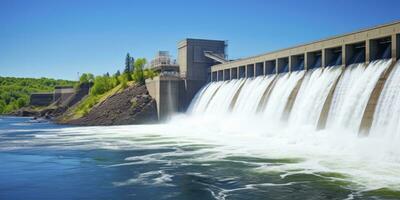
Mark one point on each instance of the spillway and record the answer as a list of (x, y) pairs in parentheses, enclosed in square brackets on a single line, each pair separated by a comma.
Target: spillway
[(298, 98), (251, 95), (202, 98), (352, 94), (279, 97), (312, 96), (222, 100), (386, 121)]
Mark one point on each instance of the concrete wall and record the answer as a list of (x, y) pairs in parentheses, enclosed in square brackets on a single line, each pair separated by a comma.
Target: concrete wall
[(63, 93), (41, 99), (346, 44), (169, 93)]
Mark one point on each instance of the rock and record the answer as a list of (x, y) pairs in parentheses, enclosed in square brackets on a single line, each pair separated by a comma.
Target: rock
[(131, 106)]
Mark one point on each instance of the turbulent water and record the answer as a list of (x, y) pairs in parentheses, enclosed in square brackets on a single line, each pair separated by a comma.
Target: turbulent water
[(277, 101), (251, 95), (386, 121), (230, 145), (312, 96)]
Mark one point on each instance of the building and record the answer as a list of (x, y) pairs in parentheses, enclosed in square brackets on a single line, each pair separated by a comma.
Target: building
[(174, 91), (163, 63)]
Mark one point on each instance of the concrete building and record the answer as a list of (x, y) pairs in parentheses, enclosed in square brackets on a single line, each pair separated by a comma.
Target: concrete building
[(369, 43), (173, 92)]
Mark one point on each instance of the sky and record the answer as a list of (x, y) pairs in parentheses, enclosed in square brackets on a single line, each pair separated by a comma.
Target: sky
[(59, 39)]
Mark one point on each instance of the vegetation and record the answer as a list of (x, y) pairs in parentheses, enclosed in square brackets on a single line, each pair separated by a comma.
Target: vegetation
[(106, 85), (14, 92)]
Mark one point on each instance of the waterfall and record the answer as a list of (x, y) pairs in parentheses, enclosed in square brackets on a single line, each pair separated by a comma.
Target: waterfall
[(203, 97), (312, 95), (386, 121), (280, 94), (220, 103), (352, 94), (245, 97), (251, 94)]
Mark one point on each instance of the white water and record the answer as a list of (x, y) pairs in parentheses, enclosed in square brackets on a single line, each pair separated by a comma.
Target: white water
[(368, 163), (352, 94), (312, 95), (251, 94), (279, 96), (201, 100), (221, 102), (386, 121)]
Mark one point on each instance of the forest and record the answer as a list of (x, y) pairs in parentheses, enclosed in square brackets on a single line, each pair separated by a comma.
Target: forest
[(14, 92)]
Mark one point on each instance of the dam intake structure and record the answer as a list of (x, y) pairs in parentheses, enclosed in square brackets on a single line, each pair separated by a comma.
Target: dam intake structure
[(344, 83), (298, 98)]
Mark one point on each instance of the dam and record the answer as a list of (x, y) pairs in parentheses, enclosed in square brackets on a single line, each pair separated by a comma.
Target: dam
[(347, 82)]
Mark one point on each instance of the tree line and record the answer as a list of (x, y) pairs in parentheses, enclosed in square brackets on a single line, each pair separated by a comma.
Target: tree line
[(134, 71), (15, 92)]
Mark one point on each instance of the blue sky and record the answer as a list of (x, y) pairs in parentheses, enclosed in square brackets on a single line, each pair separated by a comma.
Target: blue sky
[(58, 39)]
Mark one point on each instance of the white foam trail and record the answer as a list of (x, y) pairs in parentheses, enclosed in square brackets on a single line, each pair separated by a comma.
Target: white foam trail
[(279, 96), (352, 94), (251, 94), (312, 96), (386, 121), (222, 100)]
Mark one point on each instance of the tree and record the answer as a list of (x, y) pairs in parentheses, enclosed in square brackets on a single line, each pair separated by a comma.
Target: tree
[(101, 85), (2, 106), (128, 64), (138, 75), (117, 73), (86, 78)]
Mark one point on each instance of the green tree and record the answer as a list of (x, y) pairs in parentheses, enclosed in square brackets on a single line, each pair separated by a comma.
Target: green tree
[(128, 64), (101, 85), (117, 73), (21, 102), (149, 73), (138, 74), (86, 78), (2, 106)]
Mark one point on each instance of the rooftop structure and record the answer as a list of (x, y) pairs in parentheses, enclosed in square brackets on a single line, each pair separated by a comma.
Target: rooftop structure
[(164, 63)]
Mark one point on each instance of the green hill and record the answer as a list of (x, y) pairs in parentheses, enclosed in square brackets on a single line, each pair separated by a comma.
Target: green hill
[(14, 92)]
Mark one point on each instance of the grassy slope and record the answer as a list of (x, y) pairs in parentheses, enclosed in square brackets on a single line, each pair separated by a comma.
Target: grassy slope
[(89, 102)]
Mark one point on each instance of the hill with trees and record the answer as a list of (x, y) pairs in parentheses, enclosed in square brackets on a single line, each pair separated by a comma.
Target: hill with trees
[(15, 92)]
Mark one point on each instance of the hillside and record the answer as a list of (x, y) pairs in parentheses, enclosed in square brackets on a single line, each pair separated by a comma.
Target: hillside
[(118, 106), (14, 92)]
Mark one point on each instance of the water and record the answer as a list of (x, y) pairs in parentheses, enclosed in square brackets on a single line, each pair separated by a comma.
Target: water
[(186, 160), (223, 100), (386, 118), (202, 98), (279, 96), (225, 147), (352, 94), (312, 95), (251, 95)]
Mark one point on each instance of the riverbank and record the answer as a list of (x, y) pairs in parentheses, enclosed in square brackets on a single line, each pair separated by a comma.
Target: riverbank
[(120, 106)]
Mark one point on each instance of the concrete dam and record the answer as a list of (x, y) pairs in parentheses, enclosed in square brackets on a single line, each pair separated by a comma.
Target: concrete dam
[(348, 82)]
